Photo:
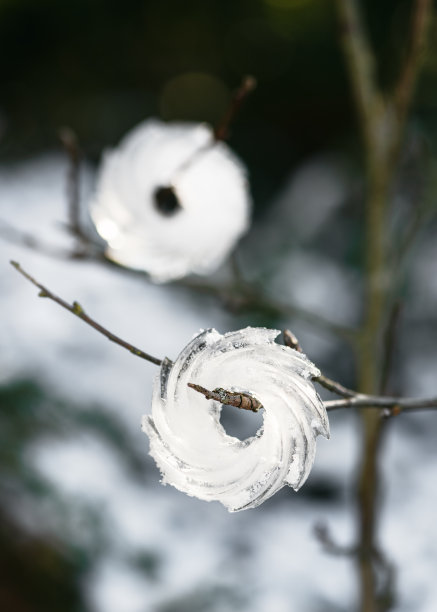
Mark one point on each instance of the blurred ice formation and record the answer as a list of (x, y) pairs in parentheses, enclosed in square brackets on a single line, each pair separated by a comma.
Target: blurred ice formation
[(190, 445), (170, 200)]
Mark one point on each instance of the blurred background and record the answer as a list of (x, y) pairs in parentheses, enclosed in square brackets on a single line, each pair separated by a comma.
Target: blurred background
[(84, 522)]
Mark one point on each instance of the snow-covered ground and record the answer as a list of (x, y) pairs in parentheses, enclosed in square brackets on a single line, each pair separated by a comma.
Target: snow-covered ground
[(265, 559)]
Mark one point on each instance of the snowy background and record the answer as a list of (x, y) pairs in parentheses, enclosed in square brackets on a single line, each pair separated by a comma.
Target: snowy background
[(85, 524), (75, 467)]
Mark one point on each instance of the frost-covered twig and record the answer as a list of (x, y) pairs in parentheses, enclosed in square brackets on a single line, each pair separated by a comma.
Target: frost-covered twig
[(77, 310)]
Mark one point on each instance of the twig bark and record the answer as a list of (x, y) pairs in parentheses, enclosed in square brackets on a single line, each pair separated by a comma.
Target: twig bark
[(382, 120), (237, 297), (71, 145), (241, 400), (396, 404), (407, 80), (361, 66), (334, 386), (248, 84), (291, 341), (77, 310), (247, 296), (15, 236)]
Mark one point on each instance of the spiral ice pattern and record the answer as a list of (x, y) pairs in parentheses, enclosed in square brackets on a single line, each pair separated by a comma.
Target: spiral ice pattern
[(189, 444), (205, 204)]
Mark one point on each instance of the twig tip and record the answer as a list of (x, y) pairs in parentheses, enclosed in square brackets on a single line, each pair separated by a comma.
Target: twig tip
[(249, 82)]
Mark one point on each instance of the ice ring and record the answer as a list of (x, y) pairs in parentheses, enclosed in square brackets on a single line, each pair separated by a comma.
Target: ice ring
[(170, 200), (188, 442)]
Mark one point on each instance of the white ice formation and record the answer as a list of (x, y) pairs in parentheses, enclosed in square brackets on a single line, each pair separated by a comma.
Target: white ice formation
[(171, 201), (189, 444)]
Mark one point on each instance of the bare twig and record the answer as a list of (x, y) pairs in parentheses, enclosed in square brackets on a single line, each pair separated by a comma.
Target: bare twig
[(396, 404), (230, 398), (243, 400), (408, 77), (323, 535), (390, 337), (236, 296), (248, 297), (15, 236), (386, 595), (291, 341), (221, 131), (361, 66), (248, 84), (334, 386), (382, 120), (70, 143), (422, 211), (77, 310)]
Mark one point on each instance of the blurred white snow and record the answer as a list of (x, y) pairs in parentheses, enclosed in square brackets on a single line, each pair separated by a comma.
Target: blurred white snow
[(269, 555)]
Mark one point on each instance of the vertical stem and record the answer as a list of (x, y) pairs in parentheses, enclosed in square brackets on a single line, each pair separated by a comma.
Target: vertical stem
[(369, 368), (382, 122)]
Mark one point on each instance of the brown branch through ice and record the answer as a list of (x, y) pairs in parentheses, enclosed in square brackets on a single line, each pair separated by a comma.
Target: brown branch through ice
[(240, 399)]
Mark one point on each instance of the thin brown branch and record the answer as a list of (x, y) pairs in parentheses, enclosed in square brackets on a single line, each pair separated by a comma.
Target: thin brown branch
[(405, 87), (395, 404), (423, 209), (386, 594), (291, 341), (250, 297), (323, 535), (390, 340), (334, 386), (238, 296), (244, 401), (221, 131), (360, 62), (70, 143), (15, 236), (248, 84), (355, 399), (76, 309), (382, 135)]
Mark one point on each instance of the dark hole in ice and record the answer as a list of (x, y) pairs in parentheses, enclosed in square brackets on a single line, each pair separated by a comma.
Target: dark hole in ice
[(166, 201), (241, 424)]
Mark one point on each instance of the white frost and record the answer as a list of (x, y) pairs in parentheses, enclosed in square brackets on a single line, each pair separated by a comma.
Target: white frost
[(209, 183), (190, 446)]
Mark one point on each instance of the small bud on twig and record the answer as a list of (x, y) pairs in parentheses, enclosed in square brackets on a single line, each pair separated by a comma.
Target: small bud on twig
[(291, 341)]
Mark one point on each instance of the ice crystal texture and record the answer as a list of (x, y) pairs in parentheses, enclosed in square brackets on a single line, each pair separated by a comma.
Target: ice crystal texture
[(171, 201), (189, 444)]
